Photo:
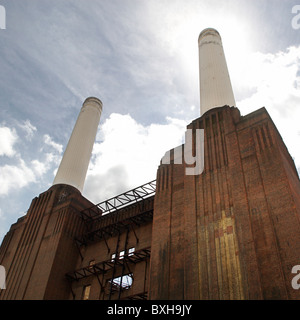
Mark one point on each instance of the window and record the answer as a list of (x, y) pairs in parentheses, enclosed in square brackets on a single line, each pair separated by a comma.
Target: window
[(124, 282), (86, 292), (131, 252), (91, 263)]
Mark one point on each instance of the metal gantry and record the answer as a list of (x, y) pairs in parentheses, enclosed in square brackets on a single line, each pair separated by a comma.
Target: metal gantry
[(105, 266), (110, 218), (124, 199), (114, 284)]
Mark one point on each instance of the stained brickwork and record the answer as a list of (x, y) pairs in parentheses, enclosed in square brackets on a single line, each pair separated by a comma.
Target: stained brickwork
[(231, 232), (48, 253), (40, 248)]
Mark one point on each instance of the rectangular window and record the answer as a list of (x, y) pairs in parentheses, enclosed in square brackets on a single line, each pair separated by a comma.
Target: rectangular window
[(86, 292), (122, 254), (131, 252), (91, 263), (124, 282)]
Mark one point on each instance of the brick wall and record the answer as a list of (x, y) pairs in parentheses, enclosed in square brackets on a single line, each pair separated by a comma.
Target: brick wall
[(233, 231)]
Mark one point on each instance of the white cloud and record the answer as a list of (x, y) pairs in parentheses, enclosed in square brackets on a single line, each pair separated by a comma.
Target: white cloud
[(270, 79), (273, 81), (22, 167), (28, 128), (23, 173), (129, 154), (14, 177), (39, 167), (48, 140), (8, 137)]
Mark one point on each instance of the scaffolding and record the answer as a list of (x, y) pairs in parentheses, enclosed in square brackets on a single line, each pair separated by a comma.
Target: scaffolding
[(111, 218), (114, 228), (108, 218), (114, 284), (103, 267), (122, 200)]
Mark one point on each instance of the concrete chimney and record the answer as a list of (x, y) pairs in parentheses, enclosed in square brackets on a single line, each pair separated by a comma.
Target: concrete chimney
[(215, 85), (74, 164)]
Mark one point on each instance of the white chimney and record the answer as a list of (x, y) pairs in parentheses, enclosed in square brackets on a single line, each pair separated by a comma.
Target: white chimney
[(74, 164), (215, 85)]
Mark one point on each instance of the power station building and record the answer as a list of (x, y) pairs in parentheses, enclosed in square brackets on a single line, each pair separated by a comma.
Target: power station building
[(229, 231)]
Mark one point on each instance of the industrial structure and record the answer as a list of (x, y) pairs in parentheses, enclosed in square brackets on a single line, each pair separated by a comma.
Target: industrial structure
[(230, 232)]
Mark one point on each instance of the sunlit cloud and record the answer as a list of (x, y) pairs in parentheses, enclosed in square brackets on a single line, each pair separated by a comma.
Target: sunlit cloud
[(8, 138), (48, 140), (14, 177), (273, 81), (128, 154)]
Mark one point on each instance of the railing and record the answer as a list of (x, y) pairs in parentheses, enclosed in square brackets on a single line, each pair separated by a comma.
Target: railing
[(124, 199)]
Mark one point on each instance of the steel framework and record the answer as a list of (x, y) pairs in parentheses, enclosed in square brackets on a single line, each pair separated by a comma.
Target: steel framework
[(105, 266), (111, 218), (124, 199), (101, 268)]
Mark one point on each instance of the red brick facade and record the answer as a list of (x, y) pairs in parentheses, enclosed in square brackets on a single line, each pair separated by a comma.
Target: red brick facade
[(232, 232)]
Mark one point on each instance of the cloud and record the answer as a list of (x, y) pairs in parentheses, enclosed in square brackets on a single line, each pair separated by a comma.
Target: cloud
[(8, 137), (273, 81), (39, 167), (48, 140), (25, 164), (14, 177), (270, 79), (132, 151), (28, 128), (128, 154)]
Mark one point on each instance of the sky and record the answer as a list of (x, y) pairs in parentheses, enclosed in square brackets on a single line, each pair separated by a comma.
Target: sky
[(140, 58)]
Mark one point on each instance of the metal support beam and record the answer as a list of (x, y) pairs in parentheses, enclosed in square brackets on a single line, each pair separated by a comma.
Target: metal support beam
[(124, 199), (105, 266)]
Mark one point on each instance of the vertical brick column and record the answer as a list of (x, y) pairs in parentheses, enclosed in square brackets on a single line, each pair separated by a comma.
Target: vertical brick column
[(233, 231), (41, 250)]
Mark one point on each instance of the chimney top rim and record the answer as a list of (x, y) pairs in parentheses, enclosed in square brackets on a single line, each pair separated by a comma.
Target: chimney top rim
[(93, 99), (208, 31)]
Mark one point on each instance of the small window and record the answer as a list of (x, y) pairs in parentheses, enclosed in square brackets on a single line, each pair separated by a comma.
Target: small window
[(91, 263), (131, 252), (86, 292), (113, 257), (121, 256), (124, 282)]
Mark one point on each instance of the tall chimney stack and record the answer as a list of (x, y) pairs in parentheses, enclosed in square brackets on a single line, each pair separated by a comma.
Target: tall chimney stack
[(215, 85), (74, 164)]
